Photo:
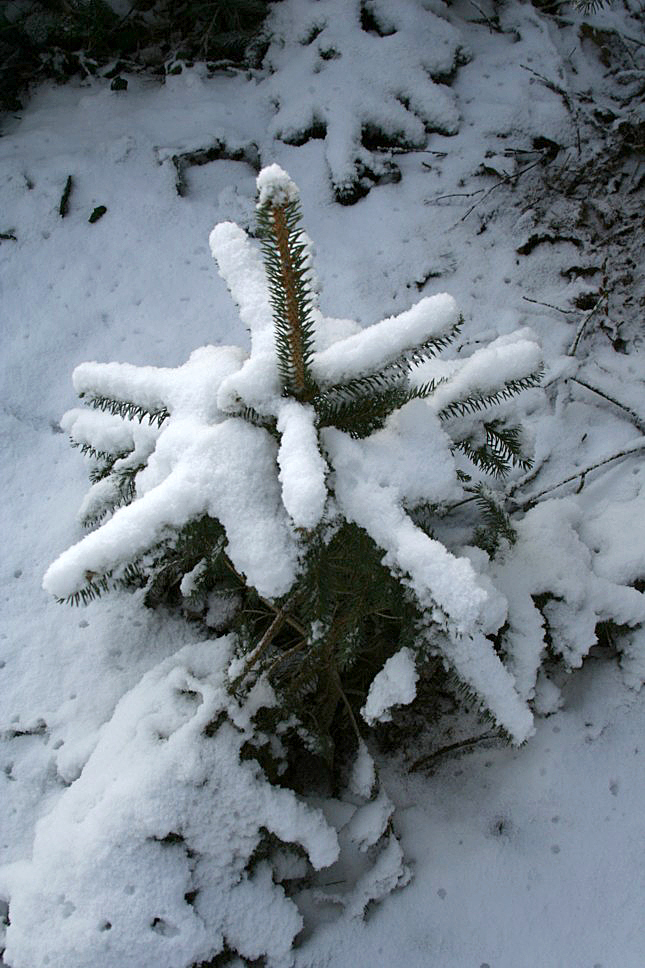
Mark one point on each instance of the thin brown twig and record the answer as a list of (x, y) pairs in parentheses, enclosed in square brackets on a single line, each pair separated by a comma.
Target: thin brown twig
[(635, 418), (503, 181), (626, 452), (527, 478), (285, 655), (581, 328), (451, 748), (441, 198), (350, 711), (492, 26), (262, 646), (567, 312), (551, 85), (290, 620)]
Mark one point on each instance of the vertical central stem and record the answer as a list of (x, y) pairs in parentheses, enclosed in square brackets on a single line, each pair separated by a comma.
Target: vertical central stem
[(291, 299)]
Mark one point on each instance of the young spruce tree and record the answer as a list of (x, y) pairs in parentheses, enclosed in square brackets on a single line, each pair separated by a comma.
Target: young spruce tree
[(292, 494)]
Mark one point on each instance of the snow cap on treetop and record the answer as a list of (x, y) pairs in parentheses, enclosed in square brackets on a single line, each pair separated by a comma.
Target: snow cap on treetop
[(275, 186)]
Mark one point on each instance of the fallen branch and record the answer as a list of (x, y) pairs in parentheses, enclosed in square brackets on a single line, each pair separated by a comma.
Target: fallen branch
[(534, 498), (634, 417), (264, 643), (503, 181), (551, 85), (453, 747), (493, 25), (486, 192), (581, 328), (63, 208), (441, 198), (567, 312)]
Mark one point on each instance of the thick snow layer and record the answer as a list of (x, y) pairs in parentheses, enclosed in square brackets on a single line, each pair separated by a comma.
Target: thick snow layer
[(363, 776), (534, 851), (188, 389), (383, 342), (373, 501), (447, 586), (352, 77), (578, 597), (275, 187), (506, 359), (410, 455), (108, 433), (302, 468), (227, 471), (394, 685), (143, 859)]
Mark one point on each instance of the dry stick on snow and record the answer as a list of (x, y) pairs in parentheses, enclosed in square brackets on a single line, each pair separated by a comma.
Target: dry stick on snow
[(567, 312), (441, 198), (527, 478), (487, 192), (581, 328), (626, 452), (492, 26), (634, 417), (452, 748), (552, 86)]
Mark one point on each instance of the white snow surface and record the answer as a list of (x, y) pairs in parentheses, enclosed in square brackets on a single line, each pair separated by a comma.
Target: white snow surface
[(368, 350), (162, 810), (395, 684), (508, 358), (302, 469), (275, 186), (195, 470), (331, 71), (528, 855)]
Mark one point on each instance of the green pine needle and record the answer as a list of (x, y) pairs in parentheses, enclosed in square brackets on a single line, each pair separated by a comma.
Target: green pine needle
[(127, 409), (481, 400)]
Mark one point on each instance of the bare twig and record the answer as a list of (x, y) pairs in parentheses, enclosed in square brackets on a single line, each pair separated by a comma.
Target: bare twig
[(486, 192), (441, 198), (285, 655), (290, 620), (503, 181), (567, 312), (350, 711), (527, 478), (492, 26), (453, 747), (633, 40), (581, 328), (264, 643), (634, 417), (626, 452), (551, 85)]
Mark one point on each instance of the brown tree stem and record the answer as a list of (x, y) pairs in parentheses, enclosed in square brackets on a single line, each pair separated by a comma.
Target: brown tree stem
[(289, 282)]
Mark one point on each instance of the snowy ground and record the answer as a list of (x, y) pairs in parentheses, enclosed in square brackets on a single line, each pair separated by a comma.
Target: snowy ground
[(529, 857)]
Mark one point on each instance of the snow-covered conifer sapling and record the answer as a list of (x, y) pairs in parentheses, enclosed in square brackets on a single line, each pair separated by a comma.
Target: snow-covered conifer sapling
[(289, 493), (306, 498)]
